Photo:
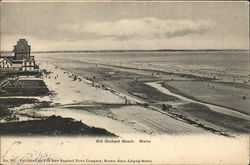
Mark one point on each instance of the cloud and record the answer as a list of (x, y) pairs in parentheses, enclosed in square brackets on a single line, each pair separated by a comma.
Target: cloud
[(144, 28)]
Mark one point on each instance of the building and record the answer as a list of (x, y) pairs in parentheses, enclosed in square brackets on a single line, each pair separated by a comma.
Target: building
[(5, 64), (21, 50), (28, 65), (21, 61)]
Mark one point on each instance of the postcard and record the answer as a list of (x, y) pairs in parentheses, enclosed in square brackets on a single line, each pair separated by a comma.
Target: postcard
[(124, 82)]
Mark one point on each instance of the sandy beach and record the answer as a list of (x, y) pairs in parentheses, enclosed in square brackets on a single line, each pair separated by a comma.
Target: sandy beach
[(125, 100), (114, 110)]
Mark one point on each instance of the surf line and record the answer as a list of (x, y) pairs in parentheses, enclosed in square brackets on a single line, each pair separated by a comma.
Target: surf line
[(215, 108)]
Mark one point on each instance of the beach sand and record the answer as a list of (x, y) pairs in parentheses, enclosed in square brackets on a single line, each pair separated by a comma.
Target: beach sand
[(80, 100), (229, 95), (121, 96)]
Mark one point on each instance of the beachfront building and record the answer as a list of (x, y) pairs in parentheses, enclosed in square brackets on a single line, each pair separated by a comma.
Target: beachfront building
[(5, 64), (28, 65), (21, 61), (21, 50)]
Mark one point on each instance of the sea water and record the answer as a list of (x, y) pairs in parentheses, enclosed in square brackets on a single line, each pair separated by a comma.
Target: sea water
[(228, 64)]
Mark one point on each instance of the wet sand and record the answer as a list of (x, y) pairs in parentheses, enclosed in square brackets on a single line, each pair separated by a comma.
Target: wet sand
[(224, 94), (208, 114)]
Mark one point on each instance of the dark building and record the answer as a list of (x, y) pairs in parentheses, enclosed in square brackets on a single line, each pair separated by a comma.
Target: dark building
[(22, 50)]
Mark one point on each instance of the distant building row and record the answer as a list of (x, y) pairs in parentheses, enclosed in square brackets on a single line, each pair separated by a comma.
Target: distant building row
[(21, 61)]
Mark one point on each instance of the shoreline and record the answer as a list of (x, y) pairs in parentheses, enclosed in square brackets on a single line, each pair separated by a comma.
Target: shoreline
[(128, 105), (99, 84), (174, 90), (171, 71)]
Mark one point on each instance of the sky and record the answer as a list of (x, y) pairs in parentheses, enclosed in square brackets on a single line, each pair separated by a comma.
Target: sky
[(125, 25)]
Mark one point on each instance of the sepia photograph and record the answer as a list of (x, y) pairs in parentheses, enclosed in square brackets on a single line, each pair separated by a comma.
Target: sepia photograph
[(126, 82)]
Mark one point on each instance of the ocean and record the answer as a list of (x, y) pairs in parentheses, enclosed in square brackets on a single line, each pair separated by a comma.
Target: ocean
[(229, 65)]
